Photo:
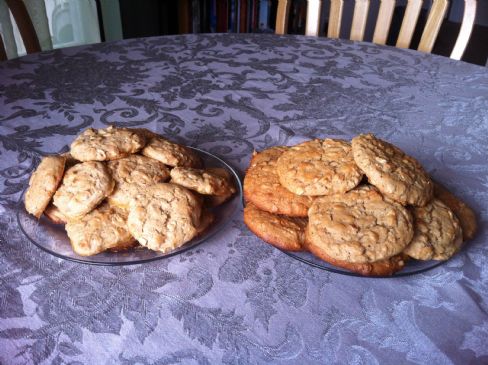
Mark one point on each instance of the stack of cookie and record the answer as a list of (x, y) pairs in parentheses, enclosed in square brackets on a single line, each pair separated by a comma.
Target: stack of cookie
[(111, 191), (364, 206)]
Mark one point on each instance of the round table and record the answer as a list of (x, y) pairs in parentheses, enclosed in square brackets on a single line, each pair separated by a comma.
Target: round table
[(235, 299)]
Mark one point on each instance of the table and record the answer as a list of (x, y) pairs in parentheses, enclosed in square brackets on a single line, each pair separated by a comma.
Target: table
[(234, 299)]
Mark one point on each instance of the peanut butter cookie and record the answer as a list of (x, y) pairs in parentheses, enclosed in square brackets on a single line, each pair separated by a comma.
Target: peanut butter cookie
[(84, 186), (359, 227), (319, 167), (202, 181), (43, 184), (170, 153), (262, 186), (397, 175), (106, 144)]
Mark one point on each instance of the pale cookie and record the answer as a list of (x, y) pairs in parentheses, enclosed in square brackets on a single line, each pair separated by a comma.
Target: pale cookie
[(164, 216), (285, 233), (84, 186), (437, 232), (206, 221), (202, 181), (54, 215), (463, 212), (397, 175), (262, 186), (170, 153), (216, 200), (133, 173), (106, 144), (102, 229), (319, 167), (359, 227), (43, 184)]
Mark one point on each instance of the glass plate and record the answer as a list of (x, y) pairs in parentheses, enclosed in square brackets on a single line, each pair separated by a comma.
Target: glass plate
[(52, 238), (411, 266)]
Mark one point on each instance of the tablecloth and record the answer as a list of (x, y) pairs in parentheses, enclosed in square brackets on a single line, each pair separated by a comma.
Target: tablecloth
[(235, 299)]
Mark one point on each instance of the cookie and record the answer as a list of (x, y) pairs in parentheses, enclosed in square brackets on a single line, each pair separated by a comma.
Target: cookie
[(216, 200), (359, 227), (70, 160), (133, 173), (206, 221), (170, 153), (106, 144), (164, 216), (84, 186), (102, 229), (385, 267), (262, 186), (43, 184), (54, 215), (463, 212), (319, 167), (397, 175), (285, 233), (437, 232), (202, 181)]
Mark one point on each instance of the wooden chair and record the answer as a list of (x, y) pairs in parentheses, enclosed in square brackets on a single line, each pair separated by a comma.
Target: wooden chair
[(383, 22), (26, 28)]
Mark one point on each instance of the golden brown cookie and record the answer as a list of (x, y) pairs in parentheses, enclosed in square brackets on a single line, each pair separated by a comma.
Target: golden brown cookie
[(262, 186), (170, 153), (54, 215), (359, 227), (106, 144), (216, 200), (202, 181), (463, 212), (286, 233), (43, 184), (397, 175), (102, 229), (164, 216), (84, 186), (206, 221), (133, 173), (319, 167), (437, 232)]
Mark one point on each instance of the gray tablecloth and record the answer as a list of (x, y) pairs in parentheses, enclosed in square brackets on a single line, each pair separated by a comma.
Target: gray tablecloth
[(235, 299)]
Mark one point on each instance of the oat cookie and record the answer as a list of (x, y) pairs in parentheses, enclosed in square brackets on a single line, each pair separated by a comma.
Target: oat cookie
[(164, 216), (262, 186), (397, 175), (43, 184), (216, 200), (463, 212), (54, 215), (70, 160), (437, 232), (170, 153), (106, 144), (206, 221), (102, 229), (319, 167), (133, 173), (84, 186), (202, 181), (284, 232), (359, 227)]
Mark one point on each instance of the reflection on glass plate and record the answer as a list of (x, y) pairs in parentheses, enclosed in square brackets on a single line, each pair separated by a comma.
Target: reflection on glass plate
[(53, 238)]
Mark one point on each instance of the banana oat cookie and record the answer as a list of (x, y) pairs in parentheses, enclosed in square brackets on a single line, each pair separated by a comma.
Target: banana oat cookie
[(106, 144), (437, 232), (216, 200), (84, 186), (102, 229), (43, 184), (170, 153), (319, 167), (202, 181), (164, 216), (133, 173), (54, 215), (359, 227), (262, 186), (397, 175), (284, 232)]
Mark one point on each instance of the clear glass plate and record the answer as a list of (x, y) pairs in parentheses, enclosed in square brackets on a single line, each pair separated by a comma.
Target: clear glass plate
[(52, 238)]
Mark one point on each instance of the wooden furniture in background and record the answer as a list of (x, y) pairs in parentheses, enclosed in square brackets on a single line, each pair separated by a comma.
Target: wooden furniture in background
[(24, 23), (385, 15), (3, 53)]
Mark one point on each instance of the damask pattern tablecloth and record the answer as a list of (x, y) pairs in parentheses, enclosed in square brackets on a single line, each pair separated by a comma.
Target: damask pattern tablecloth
[(234, 299)]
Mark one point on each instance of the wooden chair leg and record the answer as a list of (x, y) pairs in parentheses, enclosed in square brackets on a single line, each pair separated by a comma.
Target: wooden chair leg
[(3, 54), (24, 23)]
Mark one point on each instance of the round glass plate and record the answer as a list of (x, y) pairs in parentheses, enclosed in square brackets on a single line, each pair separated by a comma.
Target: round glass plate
[(52, 238), (411, 266)]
